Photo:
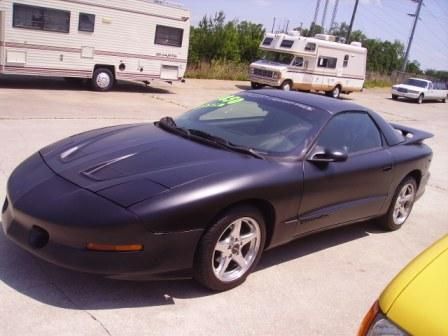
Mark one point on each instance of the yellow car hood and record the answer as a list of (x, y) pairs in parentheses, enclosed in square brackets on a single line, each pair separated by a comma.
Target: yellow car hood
[(417, 299)]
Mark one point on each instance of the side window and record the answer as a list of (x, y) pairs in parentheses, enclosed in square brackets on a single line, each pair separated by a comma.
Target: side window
[(346, 58), (310, 46), (287, 43), (327, 62), (353, 131), (298, 62), (267, 41), (169, 36), (86, 22), (40, 18)]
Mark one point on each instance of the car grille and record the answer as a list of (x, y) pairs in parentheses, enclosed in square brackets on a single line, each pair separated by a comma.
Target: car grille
[(263, 73), (402, 90)]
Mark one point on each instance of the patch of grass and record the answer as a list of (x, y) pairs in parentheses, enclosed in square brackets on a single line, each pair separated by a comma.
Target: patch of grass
[(377, 83), (219, 70)]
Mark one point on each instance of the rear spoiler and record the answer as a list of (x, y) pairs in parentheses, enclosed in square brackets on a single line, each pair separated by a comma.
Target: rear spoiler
[(412, 136)]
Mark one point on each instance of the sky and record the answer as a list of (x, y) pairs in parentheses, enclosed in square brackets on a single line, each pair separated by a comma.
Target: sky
[(383, 19)]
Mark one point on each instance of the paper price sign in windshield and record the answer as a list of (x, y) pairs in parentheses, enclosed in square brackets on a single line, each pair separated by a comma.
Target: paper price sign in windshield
[(221, 102)]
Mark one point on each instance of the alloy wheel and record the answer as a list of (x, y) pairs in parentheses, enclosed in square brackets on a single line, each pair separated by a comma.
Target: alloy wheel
[(236, 249), (403, 204)]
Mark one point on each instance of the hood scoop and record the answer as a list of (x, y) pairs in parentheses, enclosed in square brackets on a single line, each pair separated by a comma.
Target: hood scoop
[(94, 172)]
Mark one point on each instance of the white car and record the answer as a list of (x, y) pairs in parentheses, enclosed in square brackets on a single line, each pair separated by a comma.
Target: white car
[(420, 90)]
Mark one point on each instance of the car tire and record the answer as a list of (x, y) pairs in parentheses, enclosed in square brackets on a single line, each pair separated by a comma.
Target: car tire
[(230, 249), (420, 99), (335, 93), (401, 205), (286, 85), (394, 97), (255, 86), (103, 80)]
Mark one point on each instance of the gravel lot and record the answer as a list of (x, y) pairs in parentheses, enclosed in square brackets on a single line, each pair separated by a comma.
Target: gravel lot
[(319, 285)]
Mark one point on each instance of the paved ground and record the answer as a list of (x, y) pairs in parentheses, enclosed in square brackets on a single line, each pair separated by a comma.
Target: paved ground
[(319, 285)]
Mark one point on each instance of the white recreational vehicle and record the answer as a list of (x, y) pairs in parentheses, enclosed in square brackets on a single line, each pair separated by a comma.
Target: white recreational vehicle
[(102, 40), (304, 63)]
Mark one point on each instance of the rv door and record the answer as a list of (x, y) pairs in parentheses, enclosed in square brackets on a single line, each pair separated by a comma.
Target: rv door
[(2, 40)]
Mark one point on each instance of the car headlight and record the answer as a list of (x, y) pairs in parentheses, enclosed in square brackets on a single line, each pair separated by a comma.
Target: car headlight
[(276, 75), (382, 326), (376, 324), (251, 70), (412, 91)]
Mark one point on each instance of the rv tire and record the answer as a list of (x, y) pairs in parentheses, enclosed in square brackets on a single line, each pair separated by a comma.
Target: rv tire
[(335, 93), (286, 85), (103, 80), (255, 86)]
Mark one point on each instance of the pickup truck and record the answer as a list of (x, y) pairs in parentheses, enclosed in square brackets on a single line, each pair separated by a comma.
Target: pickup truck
[(419, 90)]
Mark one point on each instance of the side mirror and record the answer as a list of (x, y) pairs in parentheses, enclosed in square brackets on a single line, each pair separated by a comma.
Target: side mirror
[(326, 155)]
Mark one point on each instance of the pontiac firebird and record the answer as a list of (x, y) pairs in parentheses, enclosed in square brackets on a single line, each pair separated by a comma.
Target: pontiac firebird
[(204, 194)]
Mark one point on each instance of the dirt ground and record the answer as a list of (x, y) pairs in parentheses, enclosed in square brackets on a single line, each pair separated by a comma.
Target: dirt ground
[(319, 285)]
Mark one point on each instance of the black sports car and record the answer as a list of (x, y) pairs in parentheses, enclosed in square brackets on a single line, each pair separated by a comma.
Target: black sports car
[(203, 195)]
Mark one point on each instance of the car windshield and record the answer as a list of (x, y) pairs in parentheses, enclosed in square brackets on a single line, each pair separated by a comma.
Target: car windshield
[(416, 82), (265, 124), (278, 57)]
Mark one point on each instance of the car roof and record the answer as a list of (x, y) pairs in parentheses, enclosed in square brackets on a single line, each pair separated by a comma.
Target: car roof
[(330, 105)]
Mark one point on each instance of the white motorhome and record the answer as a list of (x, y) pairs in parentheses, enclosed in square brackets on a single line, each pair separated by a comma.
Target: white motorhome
[(102, 40), (305, 63)]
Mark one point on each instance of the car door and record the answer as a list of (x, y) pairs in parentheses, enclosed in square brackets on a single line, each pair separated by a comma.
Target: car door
[(341, 192)]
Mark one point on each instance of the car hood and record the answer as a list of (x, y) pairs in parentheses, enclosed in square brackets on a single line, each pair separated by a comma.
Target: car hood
[(128, 164), (417, 299)]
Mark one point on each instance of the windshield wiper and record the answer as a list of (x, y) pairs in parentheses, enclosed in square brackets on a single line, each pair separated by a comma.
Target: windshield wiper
[(224, 143), (168, 124)]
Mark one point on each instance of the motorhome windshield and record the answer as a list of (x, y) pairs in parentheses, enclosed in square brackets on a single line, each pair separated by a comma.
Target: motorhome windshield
[(416, 82), (277, 57)]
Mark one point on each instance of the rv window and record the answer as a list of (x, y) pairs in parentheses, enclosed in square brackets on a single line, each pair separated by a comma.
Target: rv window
[(277, 57), (86, 22), (346, 58), (287, 43), (327, 62), (169, 36), (298, 62), (40, 18), (268, 41), (310, 46)]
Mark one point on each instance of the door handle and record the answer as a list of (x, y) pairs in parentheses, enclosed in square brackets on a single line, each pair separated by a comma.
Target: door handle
[(387, 168)]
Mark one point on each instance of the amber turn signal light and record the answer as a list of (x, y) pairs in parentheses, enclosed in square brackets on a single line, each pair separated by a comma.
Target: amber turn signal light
[(368, 319), (114, 248)]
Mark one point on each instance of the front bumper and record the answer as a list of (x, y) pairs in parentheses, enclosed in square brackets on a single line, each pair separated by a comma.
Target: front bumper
[(265, 80), (72, 217), (409, 95)]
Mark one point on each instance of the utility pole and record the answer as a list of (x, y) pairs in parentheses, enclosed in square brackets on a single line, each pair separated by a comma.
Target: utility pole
[(347, 38), (333, 16), (417, 17), (324, 15), (316, 12)]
